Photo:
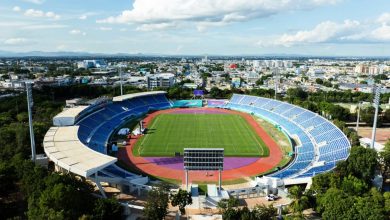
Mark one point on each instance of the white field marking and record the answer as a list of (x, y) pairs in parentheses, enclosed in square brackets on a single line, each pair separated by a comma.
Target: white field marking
[(145, 137)]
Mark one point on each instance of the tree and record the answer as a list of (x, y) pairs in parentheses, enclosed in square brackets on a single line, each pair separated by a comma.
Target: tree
[(369, 207), (156, 206), (231, 214), (107, 209), (327, 84), (386, 196), (361, 163), (385, 157), (225, 204), (354, 186), (215, 92), (386, 116), (319, 81), (7, 179), (264, 212), (322, 182), (259, 82), (181, 199), (367, 115), (297, 93), (65, 197), (300, 200), (334, 204)]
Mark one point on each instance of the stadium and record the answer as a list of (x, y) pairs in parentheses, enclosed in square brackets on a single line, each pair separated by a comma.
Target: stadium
[(89, 141)]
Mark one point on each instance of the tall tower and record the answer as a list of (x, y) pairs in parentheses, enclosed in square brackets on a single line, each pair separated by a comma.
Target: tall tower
[(376, 101), (30, 104), (120, 78), (277, 80)]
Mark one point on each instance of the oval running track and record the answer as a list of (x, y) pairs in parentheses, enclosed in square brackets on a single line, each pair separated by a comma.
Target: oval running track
[(262, 165)]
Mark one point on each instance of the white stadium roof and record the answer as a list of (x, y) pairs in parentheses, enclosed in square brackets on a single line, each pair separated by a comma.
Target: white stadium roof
[(63, 147), (130, 96), (68, 116)]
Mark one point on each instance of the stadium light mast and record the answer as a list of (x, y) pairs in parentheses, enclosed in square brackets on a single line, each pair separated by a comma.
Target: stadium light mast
[(120, 78), (377, 94), (276, 71), (30, 119)]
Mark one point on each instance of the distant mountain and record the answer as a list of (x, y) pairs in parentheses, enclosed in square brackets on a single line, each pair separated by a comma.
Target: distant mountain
[(51, 54), (87, 54)]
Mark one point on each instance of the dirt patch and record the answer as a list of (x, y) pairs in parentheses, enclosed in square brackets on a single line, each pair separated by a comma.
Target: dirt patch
[(382, 134)]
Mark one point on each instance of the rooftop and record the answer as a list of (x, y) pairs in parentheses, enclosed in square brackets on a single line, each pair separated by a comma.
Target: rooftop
[(71, 112), (130, 96), (63, 147)]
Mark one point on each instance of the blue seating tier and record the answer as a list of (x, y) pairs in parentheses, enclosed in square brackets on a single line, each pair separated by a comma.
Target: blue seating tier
[(320, 141)]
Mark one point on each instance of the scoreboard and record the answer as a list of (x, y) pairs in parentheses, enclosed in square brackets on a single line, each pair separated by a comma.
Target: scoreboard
[(203, 158)]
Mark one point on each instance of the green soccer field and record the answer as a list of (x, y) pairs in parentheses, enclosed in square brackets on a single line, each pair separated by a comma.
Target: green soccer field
[(170, 133)]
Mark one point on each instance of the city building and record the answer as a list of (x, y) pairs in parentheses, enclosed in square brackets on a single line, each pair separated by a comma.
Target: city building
[(88, 64), (161, 80)]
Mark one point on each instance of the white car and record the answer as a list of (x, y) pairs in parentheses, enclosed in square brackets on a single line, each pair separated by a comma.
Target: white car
[(271, 197)]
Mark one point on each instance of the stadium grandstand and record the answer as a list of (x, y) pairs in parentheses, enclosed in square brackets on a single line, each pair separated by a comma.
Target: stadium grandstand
[(320, 144), (78, 140)]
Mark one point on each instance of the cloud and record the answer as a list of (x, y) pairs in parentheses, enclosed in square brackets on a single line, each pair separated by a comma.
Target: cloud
[(323, 32), (38, 2), (77, 32), (40, 14), (16, 9), (16, 41), (384, 19), (147, 12), (153, 27), (381, 33), (105, 28), (83, 17), (349, 31), (61, 47), (43, 26)]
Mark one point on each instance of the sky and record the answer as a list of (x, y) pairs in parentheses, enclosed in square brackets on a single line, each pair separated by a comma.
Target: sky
[(198, 27)]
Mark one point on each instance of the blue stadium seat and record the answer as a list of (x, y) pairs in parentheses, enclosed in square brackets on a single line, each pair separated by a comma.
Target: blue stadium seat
[(310, 128)]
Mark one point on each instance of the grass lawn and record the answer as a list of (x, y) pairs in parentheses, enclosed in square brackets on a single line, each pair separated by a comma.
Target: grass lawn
[(280, 138), (170, 133)]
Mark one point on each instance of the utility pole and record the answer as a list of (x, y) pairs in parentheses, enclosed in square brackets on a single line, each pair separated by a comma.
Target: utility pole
[(377, 94), (30, 104)]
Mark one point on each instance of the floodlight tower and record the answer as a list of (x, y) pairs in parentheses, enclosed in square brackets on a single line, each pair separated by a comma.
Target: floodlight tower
[(120, 78), (30, 120), (276, 72), (377, 94)]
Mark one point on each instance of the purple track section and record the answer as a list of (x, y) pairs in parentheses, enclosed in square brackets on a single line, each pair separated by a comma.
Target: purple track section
[(177, 162), (197, 111)]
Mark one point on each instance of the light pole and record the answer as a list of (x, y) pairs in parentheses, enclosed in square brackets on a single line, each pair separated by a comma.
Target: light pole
[(276, 71), (30, 119), (377, 94), (120, 79)]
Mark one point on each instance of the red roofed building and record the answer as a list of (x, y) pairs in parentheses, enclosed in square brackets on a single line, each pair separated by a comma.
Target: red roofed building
[(233, 66)]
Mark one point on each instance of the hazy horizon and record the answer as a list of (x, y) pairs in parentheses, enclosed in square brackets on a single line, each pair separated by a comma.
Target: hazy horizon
[(183, 27)]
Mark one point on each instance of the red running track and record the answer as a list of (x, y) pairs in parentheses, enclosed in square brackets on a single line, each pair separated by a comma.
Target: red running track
[(262, 165)]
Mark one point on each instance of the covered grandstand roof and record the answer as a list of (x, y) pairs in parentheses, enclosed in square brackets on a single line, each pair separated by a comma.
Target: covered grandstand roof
[(130, 96), (68, 116), (63, 147)]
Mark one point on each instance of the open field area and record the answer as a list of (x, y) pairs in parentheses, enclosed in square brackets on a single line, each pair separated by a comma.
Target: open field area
[(170, 133), (382, 134)]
